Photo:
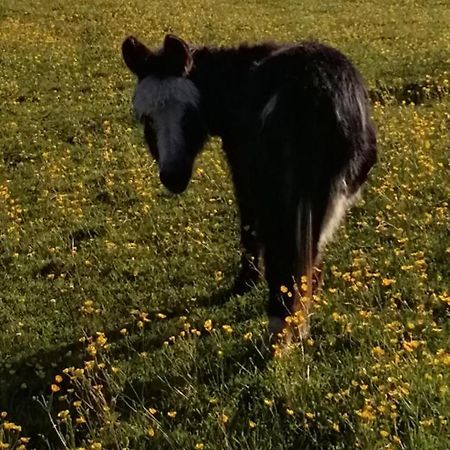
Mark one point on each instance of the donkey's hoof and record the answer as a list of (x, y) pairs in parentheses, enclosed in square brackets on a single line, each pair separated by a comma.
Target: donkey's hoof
[(245, 281), (276, 327), (284, 334)]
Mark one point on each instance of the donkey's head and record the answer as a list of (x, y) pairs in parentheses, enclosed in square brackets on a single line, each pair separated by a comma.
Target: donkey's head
[(166, 101)]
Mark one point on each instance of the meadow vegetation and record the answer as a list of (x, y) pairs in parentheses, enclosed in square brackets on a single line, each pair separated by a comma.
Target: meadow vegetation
[(116, 329)]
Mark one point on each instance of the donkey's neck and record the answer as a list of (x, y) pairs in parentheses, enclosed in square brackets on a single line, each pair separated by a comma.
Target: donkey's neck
[(222, 77)]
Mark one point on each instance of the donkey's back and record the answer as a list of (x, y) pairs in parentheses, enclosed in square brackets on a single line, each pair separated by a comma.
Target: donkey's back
[(310, 102)]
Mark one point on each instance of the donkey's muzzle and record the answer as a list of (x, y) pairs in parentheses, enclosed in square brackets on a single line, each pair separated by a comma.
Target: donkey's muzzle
[(175, 181)]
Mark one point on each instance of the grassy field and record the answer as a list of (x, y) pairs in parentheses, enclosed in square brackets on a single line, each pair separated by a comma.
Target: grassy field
[(116, 329)]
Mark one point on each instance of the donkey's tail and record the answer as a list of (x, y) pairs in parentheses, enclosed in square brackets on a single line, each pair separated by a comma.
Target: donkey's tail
[(305, 246)]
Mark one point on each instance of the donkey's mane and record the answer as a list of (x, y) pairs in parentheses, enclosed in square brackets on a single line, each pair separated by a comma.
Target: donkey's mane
[(240, 56)]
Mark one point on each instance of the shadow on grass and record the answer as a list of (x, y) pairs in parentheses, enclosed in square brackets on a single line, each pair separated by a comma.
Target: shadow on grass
[(27, 380), (416, 92)]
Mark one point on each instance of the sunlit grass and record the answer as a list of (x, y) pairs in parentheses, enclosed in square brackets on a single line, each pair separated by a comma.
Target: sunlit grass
[(116, 330)]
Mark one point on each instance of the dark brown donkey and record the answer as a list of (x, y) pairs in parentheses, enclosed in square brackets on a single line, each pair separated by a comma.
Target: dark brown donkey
[(296, 130)]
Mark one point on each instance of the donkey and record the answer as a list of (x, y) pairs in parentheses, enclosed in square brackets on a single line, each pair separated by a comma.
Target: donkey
[(295, 126)]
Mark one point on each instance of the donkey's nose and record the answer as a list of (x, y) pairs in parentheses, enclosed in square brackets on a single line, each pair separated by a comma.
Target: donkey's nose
[(175, 181)]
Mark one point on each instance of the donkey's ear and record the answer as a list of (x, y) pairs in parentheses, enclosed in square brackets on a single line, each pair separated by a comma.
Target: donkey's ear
[(136, 55), (177, 54)]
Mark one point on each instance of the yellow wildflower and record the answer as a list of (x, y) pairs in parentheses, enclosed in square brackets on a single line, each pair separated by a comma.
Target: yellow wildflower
[(96, 446), (89, 365), (91, 349), (208, 325), (378, 352), (64, 415), (11, 426), (410, 346), (101, 339), (80, 420), (366, 414)]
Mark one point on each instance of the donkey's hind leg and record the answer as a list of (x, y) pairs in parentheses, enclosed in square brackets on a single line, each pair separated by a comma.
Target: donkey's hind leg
[(285, 301), (293, 248), (288, 269)]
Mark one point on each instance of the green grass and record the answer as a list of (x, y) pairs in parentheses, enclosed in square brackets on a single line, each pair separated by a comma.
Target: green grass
[(90, 243)]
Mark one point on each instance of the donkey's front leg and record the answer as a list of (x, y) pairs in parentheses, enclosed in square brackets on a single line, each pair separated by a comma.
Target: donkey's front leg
[(249, 271), (241, 172)]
